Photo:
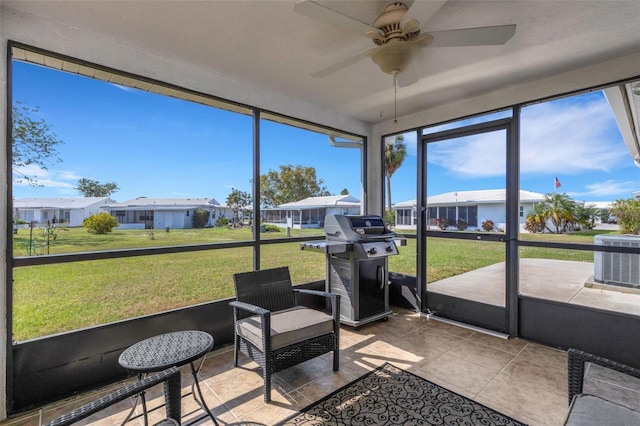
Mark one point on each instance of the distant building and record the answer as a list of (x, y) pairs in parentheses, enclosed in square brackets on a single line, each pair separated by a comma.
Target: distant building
[(159, 213), (71, 211), (474, 207), (310, 212), (603, 206)]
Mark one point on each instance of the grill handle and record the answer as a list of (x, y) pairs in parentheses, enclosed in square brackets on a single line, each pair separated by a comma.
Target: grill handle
[(380, 276)]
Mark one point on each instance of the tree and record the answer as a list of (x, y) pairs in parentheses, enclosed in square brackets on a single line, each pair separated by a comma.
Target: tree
[(627, 213), (291, 183), (556, 208), (93, 188), (394, 155), (559, 208), (345, 191), (238, 201), (585, 215), (33, 143), (200, 218), (536, 221)]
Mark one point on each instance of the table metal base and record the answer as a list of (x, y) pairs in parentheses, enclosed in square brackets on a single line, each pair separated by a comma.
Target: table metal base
[(164, 351)]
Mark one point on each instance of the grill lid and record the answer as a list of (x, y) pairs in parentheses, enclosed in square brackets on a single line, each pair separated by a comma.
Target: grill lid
[(355, 228)]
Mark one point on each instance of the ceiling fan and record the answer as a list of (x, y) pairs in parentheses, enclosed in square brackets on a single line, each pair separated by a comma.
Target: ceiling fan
[(398, 37)]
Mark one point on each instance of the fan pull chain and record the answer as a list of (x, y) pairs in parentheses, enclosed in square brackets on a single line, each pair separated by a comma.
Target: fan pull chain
[(395, 98)]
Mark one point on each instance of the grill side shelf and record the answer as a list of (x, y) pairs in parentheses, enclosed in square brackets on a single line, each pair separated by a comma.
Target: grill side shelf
[(326, 247)]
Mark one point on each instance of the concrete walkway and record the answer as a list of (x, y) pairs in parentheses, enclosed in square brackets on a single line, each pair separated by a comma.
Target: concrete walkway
[(559, 280)]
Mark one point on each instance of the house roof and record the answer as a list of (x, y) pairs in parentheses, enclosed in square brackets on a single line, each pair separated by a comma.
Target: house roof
[(604, 205), (321, 202), (144, 203), (59, 203), (483, 196)]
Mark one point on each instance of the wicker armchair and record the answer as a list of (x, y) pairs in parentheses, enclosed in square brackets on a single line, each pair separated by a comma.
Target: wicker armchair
[(169, 377), (271, 329)]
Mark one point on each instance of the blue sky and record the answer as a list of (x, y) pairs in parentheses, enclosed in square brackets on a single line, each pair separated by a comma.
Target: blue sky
[(157, 146)]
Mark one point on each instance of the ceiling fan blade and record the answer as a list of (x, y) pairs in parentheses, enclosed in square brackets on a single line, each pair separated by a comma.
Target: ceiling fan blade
[(323, 13), (483, 36), (407, 77), (337, 66), (422, 10)]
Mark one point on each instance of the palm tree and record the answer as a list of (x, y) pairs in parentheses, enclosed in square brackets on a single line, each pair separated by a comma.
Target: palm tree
[(394, 155), (585, 215), (559, 209), (536, 220)]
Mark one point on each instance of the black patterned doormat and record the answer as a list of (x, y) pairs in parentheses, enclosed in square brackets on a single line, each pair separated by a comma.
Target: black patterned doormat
[(389, 395)]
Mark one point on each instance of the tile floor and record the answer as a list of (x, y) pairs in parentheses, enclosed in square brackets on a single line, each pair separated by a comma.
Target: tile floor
[(518, 378)]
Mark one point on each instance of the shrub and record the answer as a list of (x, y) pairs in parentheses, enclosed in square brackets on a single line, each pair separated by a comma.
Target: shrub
[(533, 225), (442, 223), (390, 217), (222, 222), (100, 223), (269, 227), (488, 225), (627, 213), (200, 218), (461, 224)]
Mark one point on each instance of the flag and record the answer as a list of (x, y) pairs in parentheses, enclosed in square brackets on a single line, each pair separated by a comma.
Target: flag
[(557, 183)]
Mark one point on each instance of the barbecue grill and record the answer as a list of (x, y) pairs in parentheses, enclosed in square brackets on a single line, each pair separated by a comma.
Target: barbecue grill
[(357, 249)]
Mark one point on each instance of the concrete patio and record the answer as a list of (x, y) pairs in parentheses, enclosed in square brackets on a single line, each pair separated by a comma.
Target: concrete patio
[(558, 280)]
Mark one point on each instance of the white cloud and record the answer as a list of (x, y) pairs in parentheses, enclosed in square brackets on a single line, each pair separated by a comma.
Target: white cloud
[(556, 137), (480, 155), (572, 139), (606, 189), (61, 180)]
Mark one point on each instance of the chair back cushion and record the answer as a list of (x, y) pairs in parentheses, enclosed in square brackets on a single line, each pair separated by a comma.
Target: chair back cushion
[(270, 289), (288, 327)]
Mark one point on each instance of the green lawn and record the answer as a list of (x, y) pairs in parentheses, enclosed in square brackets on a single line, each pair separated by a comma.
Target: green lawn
[(60, 297), (71, 240)]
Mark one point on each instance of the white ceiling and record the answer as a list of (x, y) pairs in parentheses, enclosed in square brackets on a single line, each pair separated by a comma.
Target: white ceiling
[(267, 45)]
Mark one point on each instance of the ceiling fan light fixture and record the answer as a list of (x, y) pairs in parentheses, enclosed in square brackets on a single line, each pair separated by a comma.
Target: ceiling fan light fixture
[(394, 57)]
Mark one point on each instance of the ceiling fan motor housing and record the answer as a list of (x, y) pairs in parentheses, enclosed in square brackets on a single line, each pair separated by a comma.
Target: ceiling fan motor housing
[(395, 56)]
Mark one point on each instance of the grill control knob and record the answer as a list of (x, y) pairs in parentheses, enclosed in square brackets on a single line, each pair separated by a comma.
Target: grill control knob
[(389, 249), (372, 250)]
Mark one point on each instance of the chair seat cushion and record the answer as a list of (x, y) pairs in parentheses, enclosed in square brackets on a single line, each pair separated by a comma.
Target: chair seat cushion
[(612, 385), (288, 326), (591, 410)]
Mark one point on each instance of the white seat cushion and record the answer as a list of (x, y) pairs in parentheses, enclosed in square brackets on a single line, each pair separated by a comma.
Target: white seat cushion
[(288, 326)]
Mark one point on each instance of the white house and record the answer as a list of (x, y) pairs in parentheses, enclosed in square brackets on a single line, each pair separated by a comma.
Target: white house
[(310, 212), (160, 213), (71, 211), (472, 206)]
